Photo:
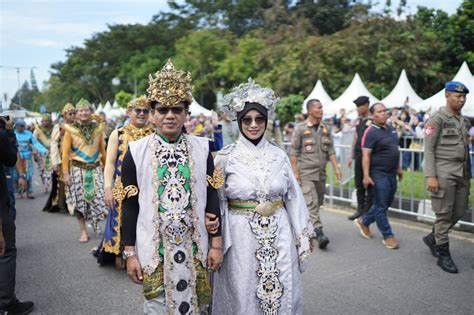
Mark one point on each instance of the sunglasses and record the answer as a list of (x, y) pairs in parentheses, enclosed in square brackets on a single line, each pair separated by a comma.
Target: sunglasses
[(71, 113), (166, 110), (247, 121), (145, 111)]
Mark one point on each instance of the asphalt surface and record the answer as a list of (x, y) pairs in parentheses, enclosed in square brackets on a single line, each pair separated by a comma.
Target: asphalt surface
[(352, 276)]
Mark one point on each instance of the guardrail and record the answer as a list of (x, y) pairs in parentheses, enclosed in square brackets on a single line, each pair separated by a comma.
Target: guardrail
[(411, 198)]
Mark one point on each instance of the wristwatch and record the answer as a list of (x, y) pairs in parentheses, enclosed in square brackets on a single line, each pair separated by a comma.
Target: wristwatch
[(126, 254), (22, 176)]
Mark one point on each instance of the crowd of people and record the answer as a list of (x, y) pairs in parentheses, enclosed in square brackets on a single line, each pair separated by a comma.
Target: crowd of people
[(183, 196)]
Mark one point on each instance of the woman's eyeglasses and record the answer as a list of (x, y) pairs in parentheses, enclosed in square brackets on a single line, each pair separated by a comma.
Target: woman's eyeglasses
[(247, 121), (166, 110), (145, 111)]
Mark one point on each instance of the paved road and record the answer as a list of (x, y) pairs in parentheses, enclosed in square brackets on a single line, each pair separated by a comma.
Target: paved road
[(353, 275)]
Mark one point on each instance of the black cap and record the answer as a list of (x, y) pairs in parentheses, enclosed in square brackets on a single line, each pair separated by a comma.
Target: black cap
[(361, 100)]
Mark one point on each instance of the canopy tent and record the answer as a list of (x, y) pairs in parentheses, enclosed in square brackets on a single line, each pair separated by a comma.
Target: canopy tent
[(402, 94), (438, 100), (116, 111), (197, 109), (318, 93), (100, 108), (346, 99), (107, 107)]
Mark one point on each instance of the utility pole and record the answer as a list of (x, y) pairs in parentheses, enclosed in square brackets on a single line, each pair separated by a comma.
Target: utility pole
[(18, 78)]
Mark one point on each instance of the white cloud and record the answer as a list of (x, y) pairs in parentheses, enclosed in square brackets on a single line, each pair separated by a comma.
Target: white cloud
[(41, 42)]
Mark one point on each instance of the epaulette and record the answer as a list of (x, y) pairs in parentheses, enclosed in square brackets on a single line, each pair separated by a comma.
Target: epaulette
[(227, 149)]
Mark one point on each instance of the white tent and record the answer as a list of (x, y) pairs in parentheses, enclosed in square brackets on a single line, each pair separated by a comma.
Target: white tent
[(346, 99), (318, 93), (438, 100), (197, 109), (401, 92), (107, 107), (100, 108)]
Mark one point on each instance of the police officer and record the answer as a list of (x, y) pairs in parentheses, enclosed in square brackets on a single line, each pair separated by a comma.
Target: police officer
[(447, 168), (311, 147), (364, 196)]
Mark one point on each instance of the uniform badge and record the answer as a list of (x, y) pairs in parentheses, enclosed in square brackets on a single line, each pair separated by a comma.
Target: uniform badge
[(309, 148), (429, 130), (307, 132)]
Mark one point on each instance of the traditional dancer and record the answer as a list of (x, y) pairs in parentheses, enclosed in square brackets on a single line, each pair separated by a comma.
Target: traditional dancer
[(42, 133), (83, 152), (110, 247), (166, 178), (57, 197), (266, 226), (27, 145)]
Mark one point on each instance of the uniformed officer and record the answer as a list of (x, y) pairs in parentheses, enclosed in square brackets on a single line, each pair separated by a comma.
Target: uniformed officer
[(447, 168), (273, 132), (364, 196), (311, 147)]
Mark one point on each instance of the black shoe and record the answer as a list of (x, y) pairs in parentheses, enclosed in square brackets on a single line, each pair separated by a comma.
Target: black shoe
[(429, 240), (322, 239), (355, 215), (19, 308), (444, 259)]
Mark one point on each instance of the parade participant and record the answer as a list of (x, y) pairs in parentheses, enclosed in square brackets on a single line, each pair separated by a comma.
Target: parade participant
[(447, 168), (364, 199), (380, 158), (42, 133), (82, 153), (169, 185), (57, 198), (26, 141), (311, 148), (9, 304), (230, 130), (266, 227), (110, 247)]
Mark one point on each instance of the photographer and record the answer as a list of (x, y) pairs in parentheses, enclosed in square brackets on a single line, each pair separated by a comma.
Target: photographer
[(8, 301)]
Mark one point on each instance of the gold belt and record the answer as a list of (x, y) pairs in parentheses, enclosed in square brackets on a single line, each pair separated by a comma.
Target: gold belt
[(86, 166), (266, 208)]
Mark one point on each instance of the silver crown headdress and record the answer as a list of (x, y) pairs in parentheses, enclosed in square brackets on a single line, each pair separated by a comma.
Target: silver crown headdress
[(249, 92)]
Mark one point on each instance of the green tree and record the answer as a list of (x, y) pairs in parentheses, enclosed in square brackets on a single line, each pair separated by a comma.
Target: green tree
[(288, 107), (123, 98)]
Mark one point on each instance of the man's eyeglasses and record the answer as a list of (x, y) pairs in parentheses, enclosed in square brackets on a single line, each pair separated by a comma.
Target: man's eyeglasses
[(247, 121), (145, 111), (166, 110)]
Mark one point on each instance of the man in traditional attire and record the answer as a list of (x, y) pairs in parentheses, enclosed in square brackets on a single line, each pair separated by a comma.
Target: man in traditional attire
[(26, 144), (57, 197), (110, 247), (170, 184), (83, 152), (42, 133)]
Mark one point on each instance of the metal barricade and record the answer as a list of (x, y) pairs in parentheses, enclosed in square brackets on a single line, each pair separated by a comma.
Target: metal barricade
[(411, 198)]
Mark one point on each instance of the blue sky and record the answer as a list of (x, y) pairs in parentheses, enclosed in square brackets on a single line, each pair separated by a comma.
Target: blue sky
[(35, 33)]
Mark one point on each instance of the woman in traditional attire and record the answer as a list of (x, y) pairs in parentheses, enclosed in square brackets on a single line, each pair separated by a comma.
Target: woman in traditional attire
[(265, 222), (26, 143), (83, 152), (43, 134), (110, 248)]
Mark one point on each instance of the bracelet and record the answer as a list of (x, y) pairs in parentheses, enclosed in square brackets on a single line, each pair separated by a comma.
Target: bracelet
[(22, 176)]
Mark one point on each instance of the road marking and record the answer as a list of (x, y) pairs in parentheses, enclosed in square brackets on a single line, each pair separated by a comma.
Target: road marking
[(465, 236)]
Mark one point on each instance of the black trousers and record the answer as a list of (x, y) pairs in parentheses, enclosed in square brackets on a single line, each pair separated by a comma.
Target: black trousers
[(364, 196), (8, 264)]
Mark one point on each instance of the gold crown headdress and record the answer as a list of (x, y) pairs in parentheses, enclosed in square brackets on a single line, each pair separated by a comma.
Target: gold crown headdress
[(170, 86), (138, 102), (67, 108), (250, 92)]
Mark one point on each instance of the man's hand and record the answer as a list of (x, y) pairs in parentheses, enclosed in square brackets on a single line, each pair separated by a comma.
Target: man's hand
[(2, 244), (338, 175), (8, 123), (312, 244), (212, 223), (214, 258), (66, 179), (134, 270), (349, 163), (432, 184), (367, 181), (400, 175), (109, 199), (22, 183)]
